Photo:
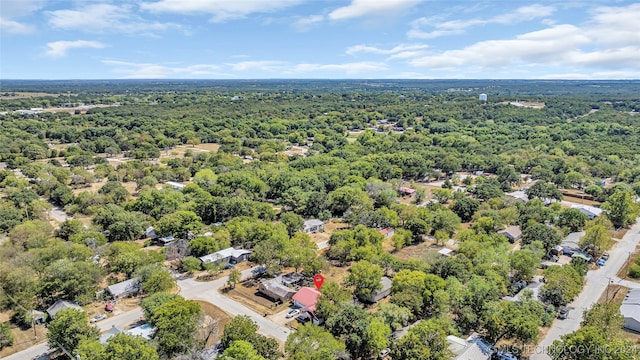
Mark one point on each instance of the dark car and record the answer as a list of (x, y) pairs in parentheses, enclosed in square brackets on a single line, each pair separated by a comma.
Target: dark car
[(563, 313), (304, 318), (605, 256)]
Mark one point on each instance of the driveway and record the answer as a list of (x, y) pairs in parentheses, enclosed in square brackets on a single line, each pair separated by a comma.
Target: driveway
[(595, 285), (208, 291)]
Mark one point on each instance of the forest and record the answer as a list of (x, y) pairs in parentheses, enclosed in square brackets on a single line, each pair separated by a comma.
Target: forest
[(425, 158)]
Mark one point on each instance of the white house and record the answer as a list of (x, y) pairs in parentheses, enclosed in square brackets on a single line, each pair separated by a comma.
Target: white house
[(228, 255), (591, 211), (313, 226), (176, 185), (630, 309)]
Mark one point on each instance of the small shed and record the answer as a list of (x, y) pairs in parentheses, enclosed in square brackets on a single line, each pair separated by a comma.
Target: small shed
[(124, 289), (150, 233), (61, 305), (406, 191), (313, 226), (446, 252), (513, 233), (383, 292), (165, 241), (387, 232), (176, 185)]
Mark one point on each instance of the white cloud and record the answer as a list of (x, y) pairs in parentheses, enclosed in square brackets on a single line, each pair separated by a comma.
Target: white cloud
[(395, 50), (359, 8), (347, 68), (305, 23), (220, 9), (98, 18), (263, 65), (15, 9), (455, 27), (131, 70), (13, 27), (60, 48)]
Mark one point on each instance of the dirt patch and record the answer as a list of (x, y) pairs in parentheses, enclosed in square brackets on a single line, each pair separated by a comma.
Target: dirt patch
[(213, 323), (613, 293), (122, 306), (24, 339), (209, 147), (424, 250), (329, 228), (248, 295)]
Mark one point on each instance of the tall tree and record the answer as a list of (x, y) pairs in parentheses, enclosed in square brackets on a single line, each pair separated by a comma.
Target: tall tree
[(176, 326), (69, 328), (621, 208), (311, 342), (366, 278)]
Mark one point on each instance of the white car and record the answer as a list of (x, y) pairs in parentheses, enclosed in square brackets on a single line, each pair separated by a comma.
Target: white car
[(98, 318), (293, 313)]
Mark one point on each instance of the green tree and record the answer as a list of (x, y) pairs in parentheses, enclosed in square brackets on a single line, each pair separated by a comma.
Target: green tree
[(152, 302), (119, 346), (242, 328), (621, 208), (394, 315), (597, 236), (540, 232), (234, 278), (293, 222), (573, 219), (427, 340), (205, 178), (176, 324), (442, 195), (191, 264), (348, 198), (179, 224), (241, 350), (544, 190), (6, 338), (65, 278), (69, 328), (311, 342), (593, 343), (523, 264), (465, 208), (155, 278), (562, 284), (366, 278)]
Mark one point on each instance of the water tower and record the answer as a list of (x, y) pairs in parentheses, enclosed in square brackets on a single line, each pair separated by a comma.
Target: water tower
[(482, 97)]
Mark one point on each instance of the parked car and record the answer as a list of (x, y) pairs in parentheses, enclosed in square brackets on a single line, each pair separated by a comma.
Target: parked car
[(605, 256), (293, 313), (563, 313), (98, 318), (503, 356), (601, 262), (108, 306), (304, 318), (229, 266), (384, 353)]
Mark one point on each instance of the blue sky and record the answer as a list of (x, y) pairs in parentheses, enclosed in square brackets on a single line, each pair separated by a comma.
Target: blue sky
[(328, 39)]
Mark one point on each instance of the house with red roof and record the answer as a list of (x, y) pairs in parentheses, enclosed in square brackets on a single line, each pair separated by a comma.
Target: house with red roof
[(306, 299)]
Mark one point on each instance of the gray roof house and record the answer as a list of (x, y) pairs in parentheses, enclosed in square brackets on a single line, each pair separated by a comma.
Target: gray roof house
[(383, 292), (313, 226), (61, 305), (571, 242), (513, 233), (228, 255), (473, 348), (591, 211), (115, 330), (630, 309), (124, 288), (274, 289)]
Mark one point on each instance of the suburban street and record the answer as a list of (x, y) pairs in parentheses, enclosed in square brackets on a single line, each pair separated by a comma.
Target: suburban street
[(40, 351), (596, 283), (208, 291)]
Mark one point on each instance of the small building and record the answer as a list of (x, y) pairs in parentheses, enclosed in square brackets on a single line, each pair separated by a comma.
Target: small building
[(387, 232), (518, 195), (630, 310), (383, 292), (406, 191), (228, 255), (176, 185), (165, 241), (446, 252), (146, 331), (306, 299), (482, 97), (313, 226), (292, 279), (150, 233), (115, 330), (124, 289), (274, 289), (513, 233), (61, 305), (591, 211), (473, 348)]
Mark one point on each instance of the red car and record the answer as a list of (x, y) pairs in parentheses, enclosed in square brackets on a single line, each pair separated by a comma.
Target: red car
[(108, 306)]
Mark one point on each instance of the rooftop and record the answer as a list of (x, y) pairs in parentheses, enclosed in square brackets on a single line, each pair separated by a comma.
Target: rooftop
[(223, 254), (630, 307), (308, 297), (127, 286)]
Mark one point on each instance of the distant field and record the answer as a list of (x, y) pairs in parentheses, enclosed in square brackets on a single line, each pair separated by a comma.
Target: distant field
[(24, 95)]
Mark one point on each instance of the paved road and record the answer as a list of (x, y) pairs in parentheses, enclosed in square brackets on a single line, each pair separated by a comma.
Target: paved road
[(41, 351), (595, 286), (208, 291)]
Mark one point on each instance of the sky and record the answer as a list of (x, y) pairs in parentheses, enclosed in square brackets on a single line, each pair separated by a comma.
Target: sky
[(319, 39)]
